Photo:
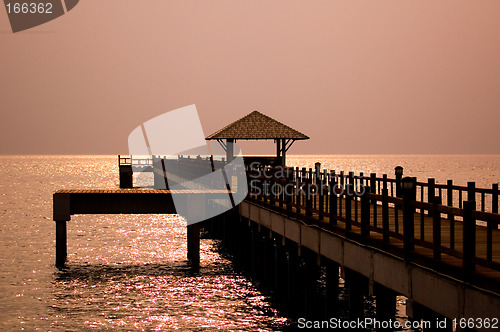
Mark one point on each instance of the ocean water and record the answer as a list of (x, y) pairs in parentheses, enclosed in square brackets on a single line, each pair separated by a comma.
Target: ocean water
[(129, 271)]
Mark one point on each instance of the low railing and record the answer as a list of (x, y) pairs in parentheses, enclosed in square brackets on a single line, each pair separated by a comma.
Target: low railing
[(134, 161), (378, 211)]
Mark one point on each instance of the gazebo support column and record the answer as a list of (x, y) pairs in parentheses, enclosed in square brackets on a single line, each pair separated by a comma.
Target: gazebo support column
[(229, 149), (278, 153), (283, 152)]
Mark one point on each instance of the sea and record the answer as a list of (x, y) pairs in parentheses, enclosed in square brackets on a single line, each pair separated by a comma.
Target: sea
[(129, 272)]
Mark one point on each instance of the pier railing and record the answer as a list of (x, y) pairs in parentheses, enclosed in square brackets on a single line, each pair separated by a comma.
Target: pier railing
[(432, 224)]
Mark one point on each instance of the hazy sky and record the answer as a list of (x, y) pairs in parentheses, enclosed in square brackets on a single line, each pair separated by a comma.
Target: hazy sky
[(368, 76)]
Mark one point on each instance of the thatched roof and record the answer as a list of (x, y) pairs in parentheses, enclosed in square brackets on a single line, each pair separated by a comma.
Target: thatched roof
[(257, 126)]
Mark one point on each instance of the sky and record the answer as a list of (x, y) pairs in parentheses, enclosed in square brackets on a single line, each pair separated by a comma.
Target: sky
[(357, 77)]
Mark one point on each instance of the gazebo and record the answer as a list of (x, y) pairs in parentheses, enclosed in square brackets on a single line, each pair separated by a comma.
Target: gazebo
[(257, 126)]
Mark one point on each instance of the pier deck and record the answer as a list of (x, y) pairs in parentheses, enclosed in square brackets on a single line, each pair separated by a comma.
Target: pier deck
[(459, 241), (119, 201), (423, 253), (438, 250)]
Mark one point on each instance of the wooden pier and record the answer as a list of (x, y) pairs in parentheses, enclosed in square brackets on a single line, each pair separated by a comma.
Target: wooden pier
[(119, 201), (436, 244)]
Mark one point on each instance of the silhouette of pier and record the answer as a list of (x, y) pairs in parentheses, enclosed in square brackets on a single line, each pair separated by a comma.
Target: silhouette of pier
[(436, 244)]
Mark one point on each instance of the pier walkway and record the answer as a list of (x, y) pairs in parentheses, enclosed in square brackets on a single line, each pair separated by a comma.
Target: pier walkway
[(459, 241), (441, 256), (436, 244)]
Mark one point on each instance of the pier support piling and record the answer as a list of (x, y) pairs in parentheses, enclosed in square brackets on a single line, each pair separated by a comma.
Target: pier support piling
[(357, 287), (61, 243), (193, 245), (126, 176), (332, 287), (61, 214), (385, 303)]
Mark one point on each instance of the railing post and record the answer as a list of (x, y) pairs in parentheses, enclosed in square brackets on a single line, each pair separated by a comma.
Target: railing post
[(321, 197), (279, 184), (333, 198), (286, 190), (298, 191), (373, 183), (365, 212), (262, 187), (272, 187), (431, 192), (308, 198), (385, 214), (342, 182), (471, 191), (436, 228), (494, 198), (449, 194), (348, 192), (489, 227), (317, 173), (408, 188), (398, 172), (469, 239), (451, 217)]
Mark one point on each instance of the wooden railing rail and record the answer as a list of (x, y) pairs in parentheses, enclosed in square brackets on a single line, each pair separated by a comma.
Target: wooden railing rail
[(368, 208)]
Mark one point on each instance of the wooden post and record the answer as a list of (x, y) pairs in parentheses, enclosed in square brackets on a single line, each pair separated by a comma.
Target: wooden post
[(278, 152), (347, 194), (332, 287), (297, 191), (494, 198), (286, 190), (408, 225), (193, 245), (357, 287), (385, 214), (321, 204), (308, 194), (283, 152), (471, 191), (489, 229), (365, 213), (61, 243), (333, 198), (431, 192), (386, 304), (398, 172), (229, 149), (436, 228), (451, 217), (126, 176), (373, 183), (61, 214), (469, 239), (494, 201), (317, 173)]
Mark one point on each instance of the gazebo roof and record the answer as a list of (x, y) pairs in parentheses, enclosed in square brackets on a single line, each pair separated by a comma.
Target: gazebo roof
[(257, 126)]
